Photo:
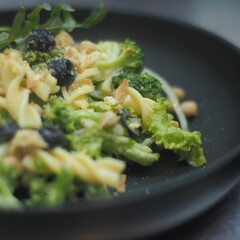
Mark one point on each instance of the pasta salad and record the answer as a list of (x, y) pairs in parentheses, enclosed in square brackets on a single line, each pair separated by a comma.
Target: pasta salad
[(74, 114)]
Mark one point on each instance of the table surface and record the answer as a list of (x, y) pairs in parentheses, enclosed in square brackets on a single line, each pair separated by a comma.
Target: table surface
[(221, 222)]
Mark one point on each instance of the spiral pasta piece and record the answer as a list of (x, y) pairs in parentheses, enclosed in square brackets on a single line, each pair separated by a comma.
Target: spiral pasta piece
[(101, 171), (141, 106), (77, 97), (17, 82), (85, 65), (17, 97)]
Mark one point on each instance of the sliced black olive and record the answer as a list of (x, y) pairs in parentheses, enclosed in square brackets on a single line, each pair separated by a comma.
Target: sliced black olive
[(7, 131), (52, 135), (63, 70), (124, 116), (40, 40)]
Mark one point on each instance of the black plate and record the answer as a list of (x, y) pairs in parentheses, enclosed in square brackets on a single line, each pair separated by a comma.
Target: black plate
[(168, 193)]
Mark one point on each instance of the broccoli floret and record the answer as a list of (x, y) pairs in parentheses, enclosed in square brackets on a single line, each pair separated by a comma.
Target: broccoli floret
[(50, 194), (8, 183), (39, 60), (95, 191), (145, 84), (100, 106), (58, 112), (130, 149), (118, 56), (89, 140), (99, 142)]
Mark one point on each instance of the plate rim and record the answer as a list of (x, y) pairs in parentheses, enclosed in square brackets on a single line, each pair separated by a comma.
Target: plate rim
[(193, 176)]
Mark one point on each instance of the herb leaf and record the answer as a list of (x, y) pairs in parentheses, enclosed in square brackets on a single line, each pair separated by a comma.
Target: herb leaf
[(60, 19), (33, 18), (96, 16)]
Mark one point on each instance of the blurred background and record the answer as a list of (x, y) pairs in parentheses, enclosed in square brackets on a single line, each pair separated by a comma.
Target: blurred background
[(221, 17)]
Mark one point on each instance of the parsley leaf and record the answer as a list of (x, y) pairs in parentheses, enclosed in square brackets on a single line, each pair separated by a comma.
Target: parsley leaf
[(60, 19)]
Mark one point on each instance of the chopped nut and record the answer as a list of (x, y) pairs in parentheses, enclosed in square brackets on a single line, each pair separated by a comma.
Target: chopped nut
[(63, 39), (174, 123), (122, 183), (179, 92), (116, 110), (110, 100), (170, 107), (86, 46), (13, 161), (85, 81), (108, 120), (134, 125), (189, 108), (26, 142), (73, 55), (121, 92)]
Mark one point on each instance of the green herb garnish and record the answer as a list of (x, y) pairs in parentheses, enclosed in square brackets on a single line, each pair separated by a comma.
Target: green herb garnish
[(60, 19)]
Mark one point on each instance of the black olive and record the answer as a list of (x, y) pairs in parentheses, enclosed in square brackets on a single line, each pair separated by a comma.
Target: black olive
[(124, 116), (52, 135), (7, 131), (40, 40), (63, 70)]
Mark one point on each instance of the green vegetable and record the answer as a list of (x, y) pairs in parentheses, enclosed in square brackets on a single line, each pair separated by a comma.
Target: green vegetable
[(119, 56), (145, 84), (60, 19), (50, 194), (58, 112), (5, 116), (89, 140), (187, 144), (100, 106), (95, 192), (35, 58), (128, 148), (8, 183), (98, 142)]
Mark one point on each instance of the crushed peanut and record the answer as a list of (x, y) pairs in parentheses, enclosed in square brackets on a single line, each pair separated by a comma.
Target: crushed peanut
[(170, 107), (134, 125), (14, 162), (189, 108), (26, 142), (86, 46), (175, 123), (63, 39), (179, 92), (121, 92), (111, 101), (108, 120), (73, 55), (122, 183)]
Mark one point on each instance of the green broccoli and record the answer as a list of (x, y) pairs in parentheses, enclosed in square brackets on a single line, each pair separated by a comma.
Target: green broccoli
[(144, 83), (187, 145), (95, 191), (39, 60), (58, 112), (46, 193), (8, 183), (118, 56), (98, 142)]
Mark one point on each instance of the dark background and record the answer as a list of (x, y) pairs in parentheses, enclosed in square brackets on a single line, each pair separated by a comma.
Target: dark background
[(222, 17)]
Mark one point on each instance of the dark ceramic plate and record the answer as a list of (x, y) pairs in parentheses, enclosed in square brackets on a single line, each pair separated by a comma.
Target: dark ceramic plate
[(168, 193)]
